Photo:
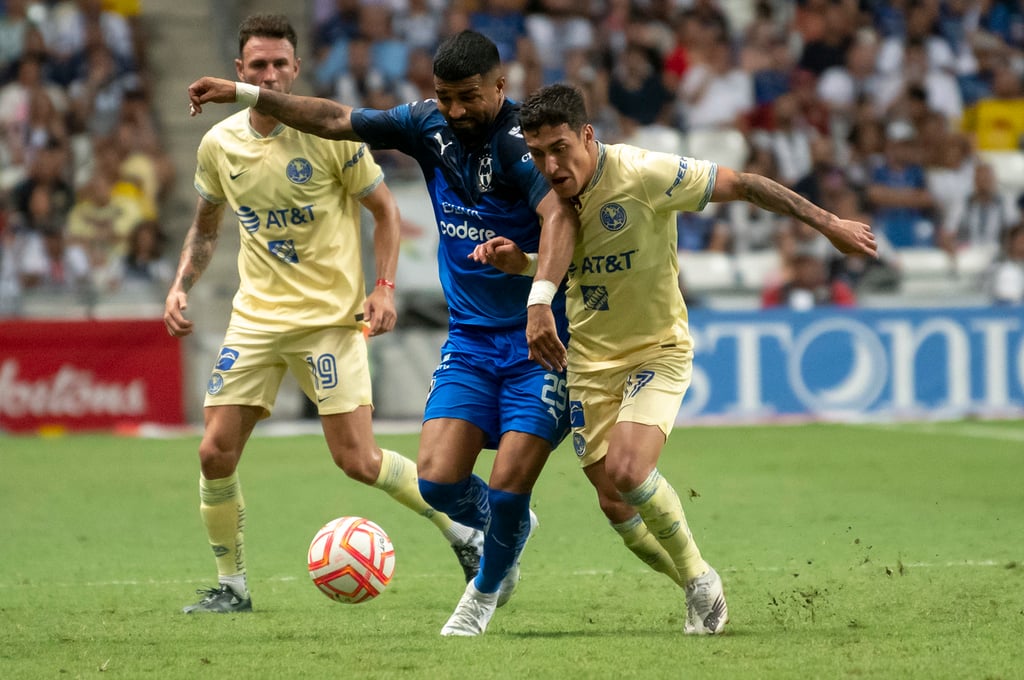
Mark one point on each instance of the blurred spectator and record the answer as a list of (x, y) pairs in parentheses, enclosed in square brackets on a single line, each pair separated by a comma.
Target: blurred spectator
[(982, 218), (388, 56), (30, 113), (76, 28), (503, 22), (14, 26), (808, 286), (143, 267), (417, 25), (557, 29), (865, 151), (771, 75), (360, 79), (919, 79), (841, 87), (791, 141), (898, 193), (920, 29), (48, 174), (97, 96), (340, 24), (636, 89), (997, 121), (703, 231), (1006, 277), (716, 94), (825, 177), (50, 264), (827, 48), (949, 167), (100, 222), (10, 285)]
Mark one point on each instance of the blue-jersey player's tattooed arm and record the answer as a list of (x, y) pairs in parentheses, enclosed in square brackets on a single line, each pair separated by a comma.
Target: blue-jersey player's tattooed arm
[(321, 117)]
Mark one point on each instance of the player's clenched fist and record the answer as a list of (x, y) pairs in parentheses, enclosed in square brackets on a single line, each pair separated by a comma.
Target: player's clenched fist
[(207, 89)]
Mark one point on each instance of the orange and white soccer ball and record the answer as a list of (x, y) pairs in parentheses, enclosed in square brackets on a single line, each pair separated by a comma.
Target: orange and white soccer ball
[(351, 560)]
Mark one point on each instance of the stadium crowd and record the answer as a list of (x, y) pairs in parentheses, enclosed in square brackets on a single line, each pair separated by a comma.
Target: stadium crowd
[(907, 114), (896, 112), (82, 169)]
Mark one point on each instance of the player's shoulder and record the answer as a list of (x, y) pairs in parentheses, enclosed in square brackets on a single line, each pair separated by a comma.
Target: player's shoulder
[(507, 142), (228, 129)]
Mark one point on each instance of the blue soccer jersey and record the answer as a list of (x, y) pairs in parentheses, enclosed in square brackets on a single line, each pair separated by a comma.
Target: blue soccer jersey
[(477, 194), (485, 375)]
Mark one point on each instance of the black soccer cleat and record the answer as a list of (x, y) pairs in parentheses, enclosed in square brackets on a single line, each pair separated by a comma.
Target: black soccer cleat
[(220, 600), (469, 554)]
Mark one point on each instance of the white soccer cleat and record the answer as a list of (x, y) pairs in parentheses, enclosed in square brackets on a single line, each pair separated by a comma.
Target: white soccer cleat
[(706, 612), (472, 614), (511, 581)]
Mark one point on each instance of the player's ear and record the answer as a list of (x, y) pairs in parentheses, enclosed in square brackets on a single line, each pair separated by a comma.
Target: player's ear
[(298, 66), (588, 133), (238, 69)]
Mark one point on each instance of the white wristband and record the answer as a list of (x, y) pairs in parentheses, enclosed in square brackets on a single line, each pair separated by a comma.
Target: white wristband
[(541, 293), (531, 265), (247, 94)]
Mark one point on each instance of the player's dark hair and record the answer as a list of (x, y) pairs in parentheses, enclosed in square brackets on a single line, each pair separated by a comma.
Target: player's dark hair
[(274, 26), (553, 105), (464, 55)]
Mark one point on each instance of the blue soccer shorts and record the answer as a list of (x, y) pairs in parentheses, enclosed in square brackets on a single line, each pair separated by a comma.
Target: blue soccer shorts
[(486, 378)]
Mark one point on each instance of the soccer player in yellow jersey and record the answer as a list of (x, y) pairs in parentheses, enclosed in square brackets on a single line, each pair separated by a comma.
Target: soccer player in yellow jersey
[(301, 303), (630, 355)]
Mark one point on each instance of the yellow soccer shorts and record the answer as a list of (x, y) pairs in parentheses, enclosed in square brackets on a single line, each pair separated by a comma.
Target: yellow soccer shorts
[(330, 365), (649, 392)]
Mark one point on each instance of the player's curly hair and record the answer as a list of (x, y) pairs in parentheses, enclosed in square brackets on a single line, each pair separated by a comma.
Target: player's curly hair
[(274, 26), (553, 105), (464, 55)]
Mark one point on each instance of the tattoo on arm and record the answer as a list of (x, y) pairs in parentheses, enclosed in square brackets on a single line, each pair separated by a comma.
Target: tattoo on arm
[(320, 117), (200, 251), (771, 195)]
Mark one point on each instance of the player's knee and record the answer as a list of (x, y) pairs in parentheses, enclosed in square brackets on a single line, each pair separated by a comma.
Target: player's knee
[(217, 460), (362, 466), (626, 472)]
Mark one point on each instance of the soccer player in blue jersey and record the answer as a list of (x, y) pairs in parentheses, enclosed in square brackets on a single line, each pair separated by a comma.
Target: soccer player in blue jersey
[(630, 360), (297, 201), (486, 392)]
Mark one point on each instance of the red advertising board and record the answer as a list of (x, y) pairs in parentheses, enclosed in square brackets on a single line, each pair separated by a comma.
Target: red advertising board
[(88, 375)]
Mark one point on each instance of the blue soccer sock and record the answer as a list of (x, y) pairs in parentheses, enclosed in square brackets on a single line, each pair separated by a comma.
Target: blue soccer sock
[(504, 539), (466, 501)]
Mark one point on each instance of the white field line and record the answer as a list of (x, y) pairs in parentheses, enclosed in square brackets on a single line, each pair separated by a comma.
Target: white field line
[(958, 430), (953, 564)]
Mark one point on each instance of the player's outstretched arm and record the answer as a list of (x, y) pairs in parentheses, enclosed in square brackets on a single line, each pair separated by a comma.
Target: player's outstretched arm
[(559, 226), (200, 242), (848, 236), (379, 308), (321, 117)]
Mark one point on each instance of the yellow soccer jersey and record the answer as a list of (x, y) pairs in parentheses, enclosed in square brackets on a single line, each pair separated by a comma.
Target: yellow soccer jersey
[(296, 200), (623, 299)]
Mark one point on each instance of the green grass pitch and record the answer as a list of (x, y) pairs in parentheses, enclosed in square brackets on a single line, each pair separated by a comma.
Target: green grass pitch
[(847, 552)]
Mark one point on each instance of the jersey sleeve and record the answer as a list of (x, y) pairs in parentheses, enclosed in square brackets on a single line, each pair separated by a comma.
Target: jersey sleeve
[(677, 182), (360, 173), (395, 128), (519, 169), (207, 179)]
